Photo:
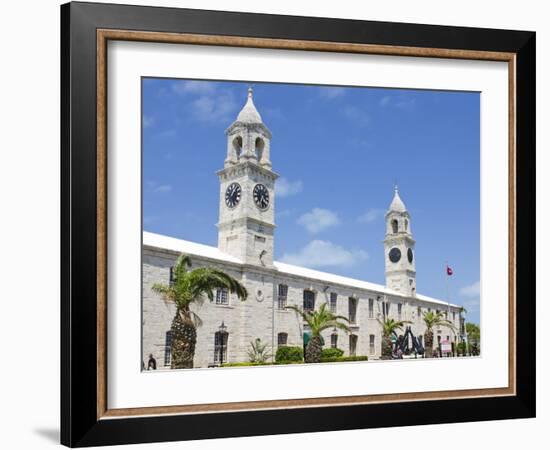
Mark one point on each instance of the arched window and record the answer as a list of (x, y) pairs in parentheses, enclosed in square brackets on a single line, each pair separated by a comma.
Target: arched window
[(220, 346), (406, 224), (282, 339), (394, 225), (259, 148), (238, 146)]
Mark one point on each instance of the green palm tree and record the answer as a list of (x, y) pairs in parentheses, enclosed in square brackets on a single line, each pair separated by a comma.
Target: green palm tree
[(186, 289), (389, 327), (431, 320), (318, 321)]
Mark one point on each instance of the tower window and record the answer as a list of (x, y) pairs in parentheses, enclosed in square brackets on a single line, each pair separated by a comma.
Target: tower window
[(406, 224), (259, 148), (238, 146), (394, 225), (309, 300)]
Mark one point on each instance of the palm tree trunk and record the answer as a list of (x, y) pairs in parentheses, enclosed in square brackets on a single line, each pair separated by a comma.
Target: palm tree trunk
[(429, 341), (386, 347), (313, 350), (184, 339)]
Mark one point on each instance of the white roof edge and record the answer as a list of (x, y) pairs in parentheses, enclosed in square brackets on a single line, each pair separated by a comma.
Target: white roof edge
[(207, 251)]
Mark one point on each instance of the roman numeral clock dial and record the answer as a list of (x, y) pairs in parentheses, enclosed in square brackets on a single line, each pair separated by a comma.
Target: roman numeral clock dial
[(261, 196), (233, 195)]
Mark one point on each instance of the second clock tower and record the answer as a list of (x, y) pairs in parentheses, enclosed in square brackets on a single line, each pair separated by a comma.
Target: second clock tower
[(399, 248), (247, 190)]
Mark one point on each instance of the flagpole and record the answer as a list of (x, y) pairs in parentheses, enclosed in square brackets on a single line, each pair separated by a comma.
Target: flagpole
[(447, 290)]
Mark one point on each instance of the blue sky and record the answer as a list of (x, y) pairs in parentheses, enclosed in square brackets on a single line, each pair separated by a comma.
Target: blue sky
[(338, 151)]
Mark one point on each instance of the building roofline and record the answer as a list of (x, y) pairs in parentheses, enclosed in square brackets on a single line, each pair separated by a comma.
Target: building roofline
[(209, 252)]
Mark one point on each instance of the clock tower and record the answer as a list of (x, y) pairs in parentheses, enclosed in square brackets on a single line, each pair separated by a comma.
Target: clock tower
[(399, 249), (247, 190)]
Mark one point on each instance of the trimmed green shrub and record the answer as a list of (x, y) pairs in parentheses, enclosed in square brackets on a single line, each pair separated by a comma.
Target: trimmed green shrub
[(332, 353), (245, 364), (289, 354), (345, 359)]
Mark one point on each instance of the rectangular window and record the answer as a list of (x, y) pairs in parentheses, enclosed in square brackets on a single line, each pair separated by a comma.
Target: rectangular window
[(282, 339), (333, 300), (172, 278), (399, 310), (309, 300), (220, 347), (454, 316), (371, 308), (352, 344), (281, 299), (372, 348), (334, 340), (419, 312), (168, 349), (352, 310), (387, 309), (222, 297)]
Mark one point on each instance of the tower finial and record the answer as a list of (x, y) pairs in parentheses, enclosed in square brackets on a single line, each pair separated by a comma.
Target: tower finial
[(395, 188), (250, 91)]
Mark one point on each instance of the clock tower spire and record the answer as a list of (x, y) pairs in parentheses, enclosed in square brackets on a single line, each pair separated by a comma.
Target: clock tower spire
[(247, 196), (399, 248)]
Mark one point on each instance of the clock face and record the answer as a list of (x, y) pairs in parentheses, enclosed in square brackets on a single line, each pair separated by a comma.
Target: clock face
[(395, 255), (233, 195), (410, 255), (261, 196)]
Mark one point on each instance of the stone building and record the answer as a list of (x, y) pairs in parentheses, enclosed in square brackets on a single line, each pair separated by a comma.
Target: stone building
[(246, 230)]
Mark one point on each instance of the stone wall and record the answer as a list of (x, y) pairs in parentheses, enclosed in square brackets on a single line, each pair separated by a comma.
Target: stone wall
[(260, 317)]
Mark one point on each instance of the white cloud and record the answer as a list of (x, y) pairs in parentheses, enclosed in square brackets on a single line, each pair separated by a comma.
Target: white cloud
[(286, 188), (385, 101), (153, 186), (324, 254), (403, 101), (215, 108), (471, 306), (208, 102), (370, 216), (357, 115), (331, 92), (318, 219), (193, 87), (148, 121), (471, 290)]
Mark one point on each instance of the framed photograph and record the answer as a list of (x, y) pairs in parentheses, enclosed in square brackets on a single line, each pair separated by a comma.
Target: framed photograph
[(276, 224)]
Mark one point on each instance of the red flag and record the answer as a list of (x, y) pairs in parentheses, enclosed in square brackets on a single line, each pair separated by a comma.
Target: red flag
[(449, 271)]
